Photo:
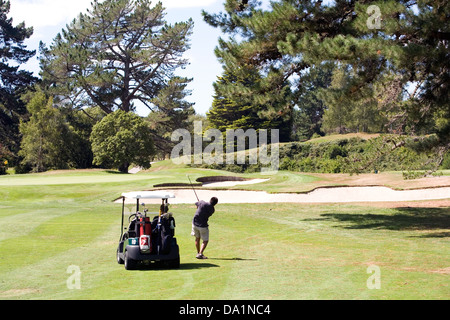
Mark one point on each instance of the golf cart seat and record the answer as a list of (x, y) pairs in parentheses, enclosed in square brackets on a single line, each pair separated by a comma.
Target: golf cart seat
[(133, 229)]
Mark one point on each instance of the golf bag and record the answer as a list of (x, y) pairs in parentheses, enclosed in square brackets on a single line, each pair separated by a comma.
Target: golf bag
[(145, 232), (163, 231), (141, 228)]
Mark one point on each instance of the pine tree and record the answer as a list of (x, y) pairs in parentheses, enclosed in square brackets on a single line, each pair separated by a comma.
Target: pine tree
[(230, 110), (337, 115), (45, 135), (265, 93), (235, 108), (172, 113), (389, 43), (13, 81), (308, 116), (360, 114), (117, 54)]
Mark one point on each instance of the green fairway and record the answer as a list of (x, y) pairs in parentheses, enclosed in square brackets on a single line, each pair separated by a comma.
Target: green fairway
[(50, 222), (75, 177)]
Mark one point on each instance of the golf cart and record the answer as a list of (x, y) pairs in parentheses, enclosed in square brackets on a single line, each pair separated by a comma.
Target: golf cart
[(147, 241)]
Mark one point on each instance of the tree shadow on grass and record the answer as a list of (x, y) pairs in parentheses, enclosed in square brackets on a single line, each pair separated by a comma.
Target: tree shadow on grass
[(402, 219), (232, 259), (116, 172)]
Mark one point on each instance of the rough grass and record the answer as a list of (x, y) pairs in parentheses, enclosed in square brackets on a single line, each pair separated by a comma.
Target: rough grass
[(333, 137)]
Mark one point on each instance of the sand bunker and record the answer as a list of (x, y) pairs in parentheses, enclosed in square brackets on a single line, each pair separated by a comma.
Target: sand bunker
[(320, 195)]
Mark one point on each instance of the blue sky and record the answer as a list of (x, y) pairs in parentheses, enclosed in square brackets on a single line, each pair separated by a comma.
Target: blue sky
[(48, 17)]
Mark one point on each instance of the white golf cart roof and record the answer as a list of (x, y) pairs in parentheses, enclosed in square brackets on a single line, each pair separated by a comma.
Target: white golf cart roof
[(148, 195)]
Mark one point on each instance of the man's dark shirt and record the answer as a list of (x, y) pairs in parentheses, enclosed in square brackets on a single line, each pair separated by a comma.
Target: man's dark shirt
[(204, 211)]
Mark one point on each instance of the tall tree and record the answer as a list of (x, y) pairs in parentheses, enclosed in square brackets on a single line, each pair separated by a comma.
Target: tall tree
[(172, 113), (45, 135), (13, 81), (337, 116), (389, 43), (117, 54), (235, 107), (263, 91), (308, 115), (342, 115), (231, 109)]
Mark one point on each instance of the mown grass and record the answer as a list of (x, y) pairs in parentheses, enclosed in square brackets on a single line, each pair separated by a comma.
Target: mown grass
[(257, 251)]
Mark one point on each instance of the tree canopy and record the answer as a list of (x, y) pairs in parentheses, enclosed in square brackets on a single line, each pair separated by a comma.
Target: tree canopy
[(397, 52), (234, 108), (173, 113), (119, 53), (120, 139), (13, 80), (303, 67), (43, 136)]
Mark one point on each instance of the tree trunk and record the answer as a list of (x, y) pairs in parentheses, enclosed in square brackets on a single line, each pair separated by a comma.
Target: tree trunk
[(124, 167)]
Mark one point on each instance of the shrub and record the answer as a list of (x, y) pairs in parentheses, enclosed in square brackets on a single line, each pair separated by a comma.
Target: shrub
[(446, 162), (122, 138)]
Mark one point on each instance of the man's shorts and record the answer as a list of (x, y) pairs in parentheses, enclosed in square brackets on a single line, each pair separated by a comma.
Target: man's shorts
[(199, 232)]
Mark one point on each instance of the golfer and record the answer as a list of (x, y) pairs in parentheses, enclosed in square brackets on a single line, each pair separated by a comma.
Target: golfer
[(200, 224)]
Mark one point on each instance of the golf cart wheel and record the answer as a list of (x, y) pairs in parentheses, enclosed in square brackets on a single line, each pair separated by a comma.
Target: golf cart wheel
[(119, 259), (173, 264), (130, 264), (176, 263)]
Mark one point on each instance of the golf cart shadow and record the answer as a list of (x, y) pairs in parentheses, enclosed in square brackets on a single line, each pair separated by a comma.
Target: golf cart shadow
[(183, 266), (192, 266)]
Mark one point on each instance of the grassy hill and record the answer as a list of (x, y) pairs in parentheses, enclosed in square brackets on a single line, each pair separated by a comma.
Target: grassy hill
[(348, 153)]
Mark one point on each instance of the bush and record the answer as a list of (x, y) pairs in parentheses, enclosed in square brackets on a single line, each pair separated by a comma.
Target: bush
[(336, 150), (343, 156), (22, 168), (446, 162), (329, 165), (122, 138)]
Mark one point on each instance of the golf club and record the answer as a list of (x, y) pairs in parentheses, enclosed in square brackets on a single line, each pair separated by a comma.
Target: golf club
[(193, 187)]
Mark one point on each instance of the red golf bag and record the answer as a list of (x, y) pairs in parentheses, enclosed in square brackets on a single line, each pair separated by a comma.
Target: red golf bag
[(145, 243)]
